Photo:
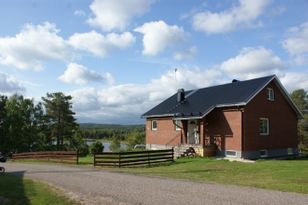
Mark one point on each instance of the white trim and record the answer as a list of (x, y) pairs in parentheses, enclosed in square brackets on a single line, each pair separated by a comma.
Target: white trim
[(265, 152), (163, 115), (290, 151), (152, 127), (270, 94), (256, 93), (289, 99), (267, 126), (228, 155), (177, 126)]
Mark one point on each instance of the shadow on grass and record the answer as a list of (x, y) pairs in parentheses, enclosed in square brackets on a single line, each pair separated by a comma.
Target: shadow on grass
[(12, 190)]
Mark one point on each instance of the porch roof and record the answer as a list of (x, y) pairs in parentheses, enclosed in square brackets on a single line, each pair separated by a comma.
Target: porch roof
[(200, 102)]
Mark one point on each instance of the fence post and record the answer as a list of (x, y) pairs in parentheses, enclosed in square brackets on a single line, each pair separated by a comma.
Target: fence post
[(149, 161), (77, 156), (172, 153), (94, 159), (119, 159)]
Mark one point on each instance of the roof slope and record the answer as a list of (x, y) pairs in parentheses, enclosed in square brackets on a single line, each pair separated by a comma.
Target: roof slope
[(200, 102)]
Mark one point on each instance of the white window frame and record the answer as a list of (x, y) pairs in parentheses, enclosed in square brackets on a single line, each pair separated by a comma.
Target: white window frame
[(270, 94), (177, 124), (265, 151), (152, 123), (267, 125), (230, 155), (290, 151)]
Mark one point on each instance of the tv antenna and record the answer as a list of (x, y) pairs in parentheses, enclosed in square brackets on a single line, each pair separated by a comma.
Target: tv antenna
[(176, 86)]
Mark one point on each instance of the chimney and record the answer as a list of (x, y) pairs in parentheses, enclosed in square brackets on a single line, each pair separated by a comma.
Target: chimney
[(180, 95)]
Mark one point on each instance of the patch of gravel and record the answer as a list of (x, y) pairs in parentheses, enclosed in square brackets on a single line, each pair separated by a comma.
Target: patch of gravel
[(91, 186)]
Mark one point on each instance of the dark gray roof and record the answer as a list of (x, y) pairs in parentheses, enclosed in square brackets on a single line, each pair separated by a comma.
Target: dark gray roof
[(200, 102)]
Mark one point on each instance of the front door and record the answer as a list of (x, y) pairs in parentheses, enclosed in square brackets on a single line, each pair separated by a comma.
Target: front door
[(193, 132)]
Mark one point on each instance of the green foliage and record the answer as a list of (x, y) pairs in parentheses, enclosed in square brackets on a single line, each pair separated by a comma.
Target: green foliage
[(107, 131), (135, 137), (300, 98), (60, 117), (24, 126), (115, 145), (21, 122), (96, 147)]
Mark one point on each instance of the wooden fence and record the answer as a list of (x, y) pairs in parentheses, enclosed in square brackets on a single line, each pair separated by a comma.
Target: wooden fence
[(138, 158), (56, 156)]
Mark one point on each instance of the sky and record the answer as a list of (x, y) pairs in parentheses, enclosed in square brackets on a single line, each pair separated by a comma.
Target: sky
[(119, 58)]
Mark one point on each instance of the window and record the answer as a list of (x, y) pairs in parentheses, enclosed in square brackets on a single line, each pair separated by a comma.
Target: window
[(290, 151), (263, 153), (154, 124), (270, 94), (178, 125), (264, 126), (230, 153)]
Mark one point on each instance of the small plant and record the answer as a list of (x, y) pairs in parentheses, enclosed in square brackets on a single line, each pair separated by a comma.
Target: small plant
[(97, 147)]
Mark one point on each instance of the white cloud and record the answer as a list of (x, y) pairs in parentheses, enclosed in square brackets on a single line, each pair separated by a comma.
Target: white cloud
[(116, 103), (9, 85), (294, 80), (116, 14), (185, 54), (99, 44), (253, 62), (244, 14), (158, 36), (79, 74), (33, 45), (79, 13), (297, 43)]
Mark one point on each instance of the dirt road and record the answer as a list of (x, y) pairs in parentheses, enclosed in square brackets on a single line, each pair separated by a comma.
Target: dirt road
[(94, 186)]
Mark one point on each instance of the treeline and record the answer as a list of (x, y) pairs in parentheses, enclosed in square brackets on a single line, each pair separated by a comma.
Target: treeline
[(47, 125), (108, 131), (300, 98), (26, 125)]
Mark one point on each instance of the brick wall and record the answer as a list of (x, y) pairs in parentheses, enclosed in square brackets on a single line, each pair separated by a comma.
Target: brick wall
[(165, 133), (225, 125), (282, 122)]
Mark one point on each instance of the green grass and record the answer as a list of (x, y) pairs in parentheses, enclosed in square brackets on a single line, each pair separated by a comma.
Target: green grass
[(86, 160), (19, 191), (283, 175)]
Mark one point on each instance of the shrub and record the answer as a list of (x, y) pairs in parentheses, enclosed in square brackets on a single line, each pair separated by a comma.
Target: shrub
[(97, 147)]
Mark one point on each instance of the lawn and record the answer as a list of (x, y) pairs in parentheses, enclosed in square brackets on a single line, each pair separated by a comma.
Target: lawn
[(283, 175), (16, 190)]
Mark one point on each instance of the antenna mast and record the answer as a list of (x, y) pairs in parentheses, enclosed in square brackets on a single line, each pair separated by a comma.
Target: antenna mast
[(176, 86)]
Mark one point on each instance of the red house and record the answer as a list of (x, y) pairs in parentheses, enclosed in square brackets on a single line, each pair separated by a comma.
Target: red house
[(243, 119)]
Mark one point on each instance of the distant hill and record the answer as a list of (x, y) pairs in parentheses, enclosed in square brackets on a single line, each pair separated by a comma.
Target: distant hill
[(108, 126)]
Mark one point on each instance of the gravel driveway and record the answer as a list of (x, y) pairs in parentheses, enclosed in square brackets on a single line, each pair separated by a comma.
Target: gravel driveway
[(94, 186)]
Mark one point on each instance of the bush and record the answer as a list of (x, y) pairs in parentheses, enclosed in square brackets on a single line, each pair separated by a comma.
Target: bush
[(97, 147), (83, 150)]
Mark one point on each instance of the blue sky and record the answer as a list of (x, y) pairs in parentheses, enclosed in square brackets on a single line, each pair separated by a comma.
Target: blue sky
[(117, 57)]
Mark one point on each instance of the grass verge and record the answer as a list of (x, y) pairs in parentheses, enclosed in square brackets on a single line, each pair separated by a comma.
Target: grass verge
[(283, 175), (16, 190)]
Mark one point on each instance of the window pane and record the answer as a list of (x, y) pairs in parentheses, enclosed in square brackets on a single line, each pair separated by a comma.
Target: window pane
[(263, 127)]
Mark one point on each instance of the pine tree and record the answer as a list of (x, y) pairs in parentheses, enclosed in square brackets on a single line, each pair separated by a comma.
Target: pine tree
[(60, 116)]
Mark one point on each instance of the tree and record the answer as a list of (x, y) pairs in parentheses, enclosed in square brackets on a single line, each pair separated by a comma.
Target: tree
[(19, 124), (60, 116), (300, 98), (3, 100), (97, 147), (115, 145), (135, 137)]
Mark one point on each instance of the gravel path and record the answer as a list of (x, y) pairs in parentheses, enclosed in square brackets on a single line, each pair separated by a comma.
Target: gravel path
[(93, 186)]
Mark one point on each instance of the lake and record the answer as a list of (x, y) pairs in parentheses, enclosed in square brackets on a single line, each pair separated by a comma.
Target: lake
[(106, 145)]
